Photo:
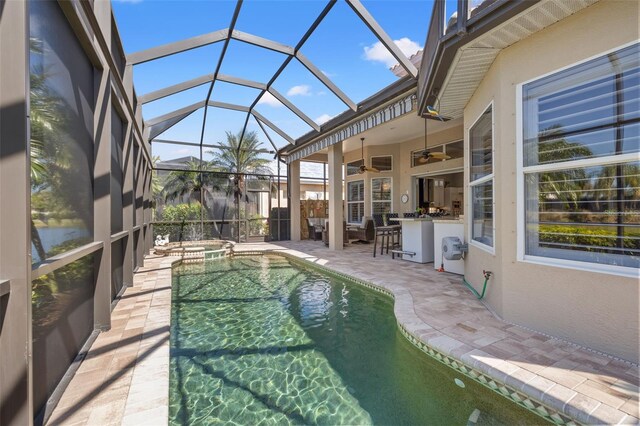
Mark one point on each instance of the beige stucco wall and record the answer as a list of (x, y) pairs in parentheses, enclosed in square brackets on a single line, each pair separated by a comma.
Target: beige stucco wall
[(598, 310), (402, 172)]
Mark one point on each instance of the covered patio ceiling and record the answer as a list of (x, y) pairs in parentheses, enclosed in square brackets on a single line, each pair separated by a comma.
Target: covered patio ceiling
[(407, 127), (244, 91)]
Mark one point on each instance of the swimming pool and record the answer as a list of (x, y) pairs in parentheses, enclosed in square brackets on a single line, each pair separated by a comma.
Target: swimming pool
[(259, 340)]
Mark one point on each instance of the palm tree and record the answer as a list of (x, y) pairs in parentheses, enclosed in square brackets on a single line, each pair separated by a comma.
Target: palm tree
[(189, 183), (195, 183), (239, 156)]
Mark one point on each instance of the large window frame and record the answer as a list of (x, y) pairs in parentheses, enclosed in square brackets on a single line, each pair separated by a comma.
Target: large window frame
[(475, 183), (389, 201), (382, 170), (522, 171), (351, 203)]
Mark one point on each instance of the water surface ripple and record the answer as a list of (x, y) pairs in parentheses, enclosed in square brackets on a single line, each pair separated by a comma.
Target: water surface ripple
[(256, 340)]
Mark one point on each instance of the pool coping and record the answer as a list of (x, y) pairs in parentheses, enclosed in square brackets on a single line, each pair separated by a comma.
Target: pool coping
[(494, 374)]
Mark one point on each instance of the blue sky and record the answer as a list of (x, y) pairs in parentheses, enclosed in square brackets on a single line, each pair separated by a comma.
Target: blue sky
[(342, 47)]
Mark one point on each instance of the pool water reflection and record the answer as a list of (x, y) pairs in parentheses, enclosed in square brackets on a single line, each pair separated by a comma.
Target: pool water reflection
[(257, 340)]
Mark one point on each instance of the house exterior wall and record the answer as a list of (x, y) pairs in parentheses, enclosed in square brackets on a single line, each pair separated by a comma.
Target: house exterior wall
[(402, 171), (584, 307)]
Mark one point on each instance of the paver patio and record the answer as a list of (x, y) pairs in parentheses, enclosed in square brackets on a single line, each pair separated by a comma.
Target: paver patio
[(124, 377)]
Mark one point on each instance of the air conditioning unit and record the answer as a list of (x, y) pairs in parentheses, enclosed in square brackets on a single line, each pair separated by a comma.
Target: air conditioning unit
[(453, 248)]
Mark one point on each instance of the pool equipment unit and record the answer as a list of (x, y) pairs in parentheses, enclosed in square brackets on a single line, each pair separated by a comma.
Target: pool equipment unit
[(453, 248)]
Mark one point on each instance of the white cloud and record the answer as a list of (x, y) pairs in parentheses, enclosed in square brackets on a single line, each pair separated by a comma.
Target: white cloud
[(300, 90), (269, 99), (323, 118), (377, 52)]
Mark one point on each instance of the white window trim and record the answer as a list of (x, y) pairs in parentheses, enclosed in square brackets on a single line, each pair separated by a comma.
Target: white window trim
[(371, 192), (382, 156), (483, 179), (521, 255), (346, 188)]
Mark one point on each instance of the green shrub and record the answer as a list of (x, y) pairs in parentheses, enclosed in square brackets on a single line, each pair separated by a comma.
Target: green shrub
[(180, 212), (588, 236)]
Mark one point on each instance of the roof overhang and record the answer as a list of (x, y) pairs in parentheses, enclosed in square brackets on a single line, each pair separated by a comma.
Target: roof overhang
[(461, 59)]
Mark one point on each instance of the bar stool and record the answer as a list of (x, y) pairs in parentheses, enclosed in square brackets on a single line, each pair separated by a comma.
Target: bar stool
[(380, 230), (396, 232)]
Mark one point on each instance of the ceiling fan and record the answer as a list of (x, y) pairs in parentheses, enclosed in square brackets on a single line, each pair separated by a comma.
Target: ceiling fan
[(427, 155), (363, 168)]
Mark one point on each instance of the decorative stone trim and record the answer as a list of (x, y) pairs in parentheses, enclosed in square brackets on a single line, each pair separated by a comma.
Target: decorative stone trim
[(549, 414)]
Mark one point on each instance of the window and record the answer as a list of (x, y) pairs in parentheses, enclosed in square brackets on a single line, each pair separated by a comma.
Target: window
[(581, 174), (452, 149), (354, 166), (355, 201), (382, 163), (381, 191), (416, 156), (481, 175)]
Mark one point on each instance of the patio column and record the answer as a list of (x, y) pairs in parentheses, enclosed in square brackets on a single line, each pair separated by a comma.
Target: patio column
[(294, 199), (336, 236)]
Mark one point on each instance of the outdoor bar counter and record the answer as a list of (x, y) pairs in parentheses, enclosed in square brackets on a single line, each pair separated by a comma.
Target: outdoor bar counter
[(417, 237)]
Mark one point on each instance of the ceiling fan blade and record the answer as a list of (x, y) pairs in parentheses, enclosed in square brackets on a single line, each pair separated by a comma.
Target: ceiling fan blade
[(373, 170), (423, 159), (439, 155)]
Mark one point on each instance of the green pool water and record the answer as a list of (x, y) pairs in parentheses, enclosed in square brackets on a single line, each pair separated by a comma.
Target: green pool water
[(257, 340)]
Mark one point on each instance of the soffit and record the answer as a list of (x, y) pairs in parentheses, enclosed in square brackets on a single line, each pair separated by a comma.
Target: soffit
[(473, 60)]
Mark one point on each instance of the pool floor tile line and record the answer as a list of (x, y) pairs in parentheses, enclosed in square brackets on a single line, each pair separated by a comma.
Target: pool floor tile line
[(124, 380)]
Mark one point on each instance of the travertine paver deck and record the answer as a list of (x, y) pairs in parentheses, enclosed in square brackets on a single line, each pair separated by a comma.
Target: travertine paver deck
[(124, 379)]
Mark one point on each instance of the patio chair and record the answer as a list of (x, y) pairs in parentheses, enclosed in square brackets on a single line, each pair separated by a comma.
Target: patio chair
[(314, 224), (364, 232), (325, 233)]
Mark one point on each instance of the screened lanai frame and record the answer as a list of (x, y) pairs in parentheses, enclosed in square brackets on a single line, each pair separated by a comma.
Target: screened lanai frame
[(89, 26), (155, 127)]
